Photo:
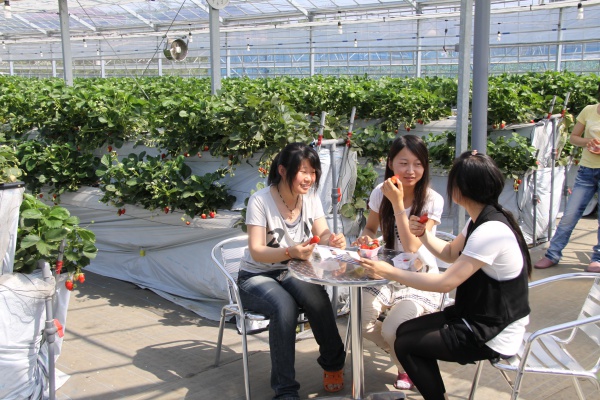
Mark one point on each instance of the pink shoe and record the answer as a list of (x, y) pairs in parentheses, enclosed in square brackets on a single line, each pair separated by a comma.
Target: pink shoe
[(544, 263), (403, 382), (593, 267)]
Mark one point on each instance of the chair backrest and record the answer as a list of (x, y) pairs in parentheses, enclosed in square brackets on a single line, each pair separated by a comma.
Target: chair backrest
[(227, 255), (591, 308)]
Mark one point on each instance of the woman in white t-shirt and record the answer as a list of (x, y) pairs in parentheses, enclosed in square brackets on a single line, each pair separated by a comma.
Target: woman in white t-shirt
[(490, 271), (281, 220), (408, 164)]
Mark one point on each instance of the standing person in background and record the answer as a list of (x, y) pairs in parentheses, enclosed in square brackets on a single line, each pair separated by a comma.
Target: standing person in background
[(490, 270), (404, 192), (586, 134), (281, 219)]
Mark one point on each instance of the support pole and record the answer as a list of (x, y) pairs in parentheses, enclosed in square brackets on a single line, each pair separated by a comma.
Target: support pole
[(215, 51), (65, 39), (49, 328), (481, 55)]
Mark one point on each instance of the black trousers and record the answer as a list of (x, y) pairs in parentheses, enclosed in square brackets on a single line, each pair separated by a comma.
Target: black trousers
[(421, 341)]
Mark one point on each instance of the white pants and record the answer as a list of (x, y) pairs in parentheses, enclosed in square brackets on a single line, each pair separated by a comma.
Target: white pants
[(383, 334)]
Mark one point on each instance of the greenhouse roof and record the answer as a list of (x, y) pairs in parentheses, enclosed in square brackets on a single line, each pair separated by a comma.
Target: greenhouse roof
[(38, 20)]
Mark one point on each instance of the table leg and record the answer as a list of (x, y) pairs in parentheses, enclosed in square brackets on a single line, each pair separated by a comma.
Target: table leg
[(358, 373)]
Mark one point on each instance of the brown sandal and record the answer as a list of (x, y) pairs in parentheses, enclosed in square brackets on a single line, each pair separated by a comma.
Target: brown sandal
[(333, 381)]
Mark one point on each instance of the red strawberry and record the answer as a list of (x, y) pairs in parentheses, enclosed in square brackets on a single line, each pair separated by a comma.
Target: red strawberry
[(518, 181), (315, 239), (408, 129), (163, 155), (119, 212), (212, 214), (186, 154), (81, 278), (395, 179), (54, 196), (123, 211), (40, 195), (166, 210), (109, 149), (396, 131), (424, 218), (494, 126), (205, 148), (69, 284), (203, 216), (502, 125), (187, 222)]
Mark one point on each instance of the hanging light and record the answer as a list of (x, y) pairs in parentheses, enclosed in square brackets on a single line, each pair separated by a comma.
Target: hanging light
[(355, 42), (340, 29), (41, 54), (190, 38), (3, 45), (98, 51), (7, 12), (579, 11), (247, 44), (84, 43), (499, 36)]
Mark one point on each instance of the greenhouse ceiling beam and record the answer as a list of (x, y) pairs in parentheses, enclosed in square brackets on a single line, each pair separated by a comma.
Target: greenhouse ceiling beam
[(31, 24), (138, 16), (82, 22), (205, 9), (298, 7)]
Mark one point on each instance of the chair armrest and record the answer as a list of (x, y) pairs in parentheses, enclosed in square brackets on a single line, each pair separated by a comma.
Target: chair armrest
[(563, 277), (563, 327), (553, 329)]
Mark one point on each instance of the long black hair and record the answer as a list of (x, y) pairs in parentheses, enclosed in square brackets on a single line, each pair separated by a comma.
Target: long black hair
[(386, 212), (476, 177), (291, 158)]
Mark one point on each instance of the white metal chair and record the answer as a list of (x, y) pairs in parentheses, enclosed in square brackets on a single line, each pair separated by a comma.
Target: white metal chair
[(227, 255), (544, 353)]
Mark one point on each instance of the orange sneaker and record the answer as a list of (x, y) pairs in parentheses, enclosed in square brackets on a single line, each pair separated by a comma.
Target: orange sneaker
[(333, 381)]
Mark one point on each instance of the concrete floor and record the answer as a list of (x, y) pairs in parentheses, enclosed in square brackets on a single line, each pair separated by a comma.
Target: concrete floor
[(123, 342)]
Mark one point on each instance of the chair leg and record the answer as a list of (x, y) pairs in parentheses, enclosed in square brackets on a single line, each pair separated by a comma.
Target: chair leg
[(578, 388), (517, 385), (245, 360), (476, 379), (220, 337)]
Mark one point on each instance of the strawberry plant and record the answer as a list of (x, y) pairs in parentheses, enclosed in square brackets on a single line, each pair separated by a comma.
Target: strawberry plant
[(10, 168), (41, 230), (59, 166), (155, 183), (366, 176)]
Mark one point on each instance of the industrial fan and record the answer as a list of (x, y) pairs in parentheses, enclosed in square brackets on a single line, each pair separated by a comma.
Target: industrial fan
[(176, 50)]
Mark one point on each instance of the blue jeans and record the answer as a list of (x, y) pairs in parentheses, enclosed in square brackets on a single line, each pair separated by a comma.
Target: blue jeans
[(586, 185), (279, 296)]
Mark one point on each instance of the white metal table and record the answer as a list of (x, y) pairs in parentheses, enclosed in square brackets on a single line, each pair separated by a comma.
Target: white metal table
[(335, 272)]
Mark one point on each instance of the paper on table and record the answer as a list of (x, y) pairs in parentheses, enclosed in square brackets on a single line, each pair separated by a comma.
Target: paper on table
[(405, 261), (326, 253)]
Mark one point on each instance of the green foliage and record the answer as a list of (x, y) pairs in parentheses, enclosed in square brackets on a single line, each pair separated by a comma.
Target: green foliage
[(366, 176), (42, 229), (442, 148), (514, 155), (10, 168), (60, 166), (154, 183)]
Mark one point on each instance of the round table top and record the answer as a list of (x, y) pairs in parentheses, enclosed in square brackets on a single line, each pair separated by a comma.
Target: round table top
[(337, 271)]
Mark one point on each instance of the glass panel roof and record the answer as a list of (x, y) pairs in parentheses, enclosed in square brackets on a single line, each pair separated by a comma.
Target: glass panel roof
[(134, 28)]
